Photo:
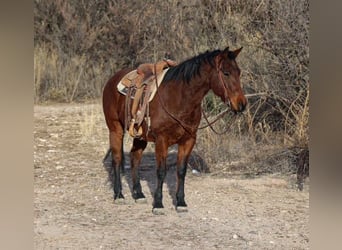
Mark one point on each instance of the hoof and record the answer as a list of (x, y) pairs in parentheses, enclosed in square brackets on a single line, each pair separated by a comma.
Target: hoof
[(120, 201), (119, 196), (138, 196), (141, 201), (158, 211), (181, 209)]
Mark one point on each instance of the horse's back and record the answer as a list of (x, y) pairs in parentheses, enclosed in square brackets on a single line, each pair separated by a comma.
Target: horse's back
[(112, 101)]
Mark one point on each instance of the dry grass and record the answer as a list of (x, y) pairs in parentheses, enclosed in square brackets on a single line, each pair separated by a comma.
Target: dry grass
[(91, 123), (65, 80)]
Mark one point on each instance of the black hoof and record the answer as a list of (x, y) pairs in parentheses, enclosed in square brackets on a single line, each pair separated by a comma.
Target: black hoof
[(158, 205), (181, 204), (119, 196), (137, 196), (119, 199), (140, 198)]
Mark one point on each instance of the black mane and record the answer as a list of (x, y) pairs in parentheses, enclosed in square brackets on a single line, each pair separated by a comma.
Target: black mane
[(186, 70)]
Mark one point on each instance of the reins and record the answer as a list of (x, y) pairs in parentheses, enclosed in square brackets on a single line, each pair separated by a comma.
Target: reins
[(215, 120), (219, 72), (185, 126), (209, 124)]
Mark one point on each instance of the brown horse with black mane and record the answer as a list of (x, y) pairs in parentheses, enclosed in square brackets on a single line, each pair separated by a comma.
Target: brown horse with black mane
[(175, 114)]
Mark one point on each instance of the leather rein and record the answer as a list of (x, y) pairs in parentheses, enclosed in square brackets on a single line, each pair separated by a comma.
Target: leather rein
[(209, 124)]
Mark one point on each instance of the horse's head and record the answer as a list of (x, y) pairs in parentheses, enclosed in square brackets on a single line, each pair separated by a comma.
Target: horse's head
[(228, 85)]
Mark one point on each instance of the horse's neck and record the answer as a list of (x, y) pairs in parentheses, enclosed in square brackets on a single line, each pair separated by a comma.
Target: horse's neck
[(198, 87), (192, 95)]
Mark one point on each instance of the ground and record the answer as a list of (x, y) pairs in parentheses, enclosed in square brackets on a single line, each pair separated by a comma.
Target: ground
[(74, 208)]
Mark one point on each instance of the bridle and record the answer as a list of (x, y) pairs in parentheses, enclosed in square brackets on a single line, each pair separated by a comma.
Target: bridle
[(189, 128), (219, 72), (209, 124)]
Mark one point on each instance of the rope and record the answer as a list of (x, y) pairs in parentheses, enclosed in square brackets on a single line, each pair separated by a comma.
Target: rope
[(215, 119), (127, 113), (184, 126), (212, 128), (187, 127)]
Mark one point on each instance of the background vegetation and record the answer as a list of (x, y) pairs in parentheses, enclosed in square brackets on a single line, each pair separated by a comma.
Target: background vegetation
[(80, 44)]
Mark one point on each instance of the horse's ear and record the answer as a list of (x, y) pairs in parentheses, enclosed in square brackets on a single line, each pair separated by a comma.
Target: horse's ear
[(226, 50), (236, 52)]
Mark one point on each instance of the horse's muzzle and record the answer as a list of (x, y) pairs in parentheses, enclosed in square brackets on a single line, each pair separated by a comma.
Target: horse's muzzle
[(238, 104)]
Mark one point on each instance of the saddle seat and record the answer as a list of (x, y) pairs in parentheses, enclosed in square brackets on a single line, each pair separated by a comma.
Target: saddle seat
[(128, 82)]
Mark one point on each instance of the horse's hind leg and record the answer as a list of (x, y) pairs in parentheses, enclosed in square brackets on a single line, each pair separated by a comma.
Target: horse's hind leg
[(136, 154), (116, 139)]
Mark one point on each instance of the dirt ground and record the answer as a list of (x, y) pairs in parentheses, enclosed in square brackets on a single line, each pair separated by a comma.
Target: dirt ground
[(74, 208)]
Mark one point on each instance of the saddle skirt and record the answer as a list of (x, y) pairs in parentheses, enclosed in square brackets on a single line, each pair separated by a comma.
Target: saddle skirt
[(126, 82)]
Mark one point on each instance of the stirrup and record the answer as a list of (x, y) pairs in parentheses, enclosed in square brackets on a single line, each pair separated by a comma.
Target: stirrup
[(133, 132)]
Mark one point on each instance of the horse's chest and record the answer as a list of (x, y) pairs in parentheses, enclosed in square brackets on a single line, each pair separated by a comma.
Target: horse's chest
[(172, 134)]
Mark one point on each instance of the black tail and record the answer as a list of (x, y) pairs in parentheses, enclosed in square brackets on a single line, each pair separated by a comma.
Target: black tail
[(108, 155)]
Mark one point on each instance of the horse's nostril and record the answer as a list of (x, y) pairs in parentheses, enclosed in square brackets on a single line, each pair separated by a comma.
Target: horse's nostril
[(242, 106)]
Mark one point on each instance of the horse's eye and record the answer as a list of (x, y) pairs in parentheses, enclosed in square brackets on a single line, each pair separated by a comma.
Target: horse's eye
[(226, 73)]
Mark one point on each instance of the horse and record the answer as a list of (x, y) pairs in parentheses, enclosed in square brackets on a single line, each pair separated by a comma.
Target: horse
[(175, 115)]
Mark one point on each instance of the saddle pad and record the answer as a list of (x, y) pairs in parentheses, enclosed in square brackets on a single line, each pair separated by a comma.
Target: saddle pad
[(151, 80)]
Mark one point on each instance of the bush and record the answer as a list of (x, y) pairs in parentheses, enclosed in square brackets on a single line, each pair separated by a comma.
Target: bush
[(80, 44)]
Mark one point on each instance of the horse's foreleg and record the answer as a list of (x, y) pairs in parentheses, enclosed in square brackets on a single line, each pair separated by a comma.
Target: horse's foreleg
[(115, 138), (136, 154), (184, 150), (161, 154)]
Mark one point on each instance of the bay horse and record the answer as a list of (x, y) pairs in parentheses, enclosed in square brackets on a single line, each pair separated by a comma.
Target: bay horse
[(175, 114)]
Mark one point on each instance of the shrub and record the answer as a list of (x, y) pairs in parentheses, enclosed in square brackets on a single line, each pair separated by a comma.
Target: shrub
[(80, 44)]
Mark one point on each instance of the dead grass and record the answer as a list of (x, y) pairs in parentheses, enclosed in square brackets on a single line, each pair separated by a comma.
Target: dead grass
[(59, 79)]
